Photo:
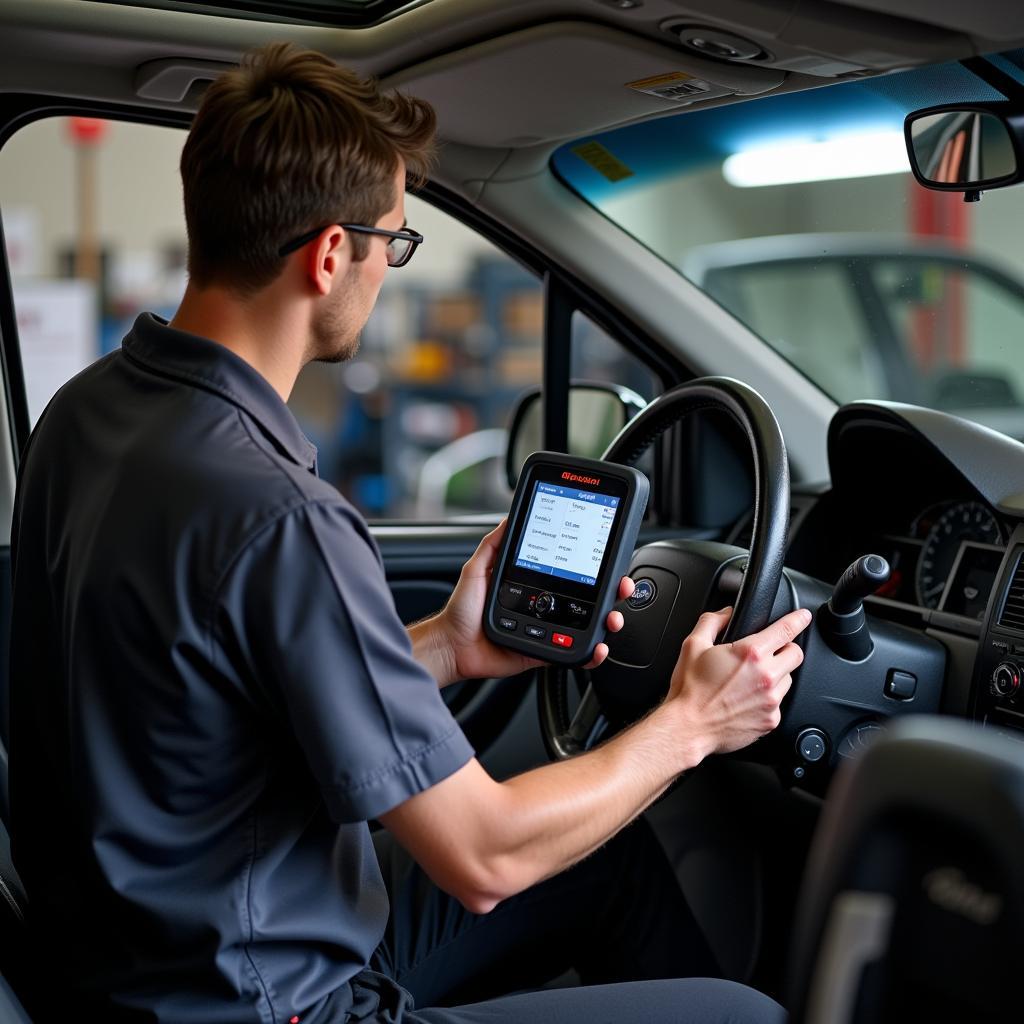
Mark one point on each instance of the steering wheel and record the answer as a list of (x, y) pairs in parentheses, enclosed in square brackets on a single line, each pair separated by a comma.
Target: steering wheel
[(684, 577)]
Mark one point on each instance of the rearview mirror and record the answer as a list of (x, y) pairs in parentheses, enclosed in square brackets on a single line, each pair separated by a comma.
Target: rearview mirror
[(597, 412), (966, 148)]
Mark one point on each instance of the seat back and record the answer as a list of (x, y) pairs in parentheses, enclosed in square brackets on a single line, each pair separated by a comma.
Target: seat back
[(14, 966), (913, 903)]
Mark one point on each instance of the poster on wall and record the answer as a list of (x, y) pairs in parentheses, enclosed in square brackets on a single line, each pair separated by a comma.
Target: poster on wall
[(59, 335), (22, 241)]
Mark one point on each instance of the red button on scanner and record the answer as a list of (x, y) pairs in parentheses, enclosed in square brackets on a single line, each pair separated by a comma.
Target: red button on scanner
[(561, 640)]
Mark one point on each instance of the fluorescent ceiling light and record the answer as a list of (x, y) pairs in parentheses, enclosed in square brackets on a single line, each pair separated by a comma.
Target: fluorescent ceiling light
[(849, 156)]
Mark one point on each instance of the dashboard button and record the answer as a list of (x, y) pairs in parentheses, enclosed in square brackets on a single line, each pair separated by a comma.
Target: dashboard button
[(537, 632), (1006, 679), (561, 640), (811, 745), (900, 685)]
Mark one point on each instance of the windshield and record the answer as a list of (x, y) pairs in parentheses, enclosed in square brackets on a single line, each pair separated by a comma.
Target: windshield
[(798, 213)]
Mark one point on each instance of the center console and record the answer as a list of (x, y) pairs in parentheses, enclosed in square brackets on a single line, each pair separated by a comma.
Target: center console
[(998, 684)]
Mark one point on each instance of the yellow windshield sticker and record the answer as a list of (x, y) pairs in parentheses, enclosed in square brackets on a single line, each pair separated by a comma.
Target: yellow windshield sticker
[(603, 161)]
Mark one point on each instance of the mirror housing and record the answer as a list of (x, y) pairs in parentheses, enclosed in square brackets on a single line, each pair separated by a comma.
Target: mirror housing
[(966, 147), (597, 412)]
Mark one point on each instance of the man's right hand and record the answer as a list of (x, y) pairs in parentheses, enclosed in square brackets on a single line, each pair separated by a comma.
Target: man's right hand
[(730, 694), (483, 840)]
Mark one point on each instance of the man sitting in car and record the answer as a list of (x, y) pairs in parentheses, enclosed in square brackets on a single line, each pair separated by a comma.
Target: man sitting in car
[(213, 694)]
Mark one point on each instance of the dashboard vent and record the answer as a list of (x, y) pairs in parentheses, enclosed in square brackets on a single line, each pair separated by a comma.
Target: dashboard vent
[(1013, 609)]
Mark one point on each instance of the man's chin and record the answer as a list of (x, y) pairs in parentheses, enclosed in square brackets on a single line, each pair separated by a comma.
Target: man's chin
[(338, 354)]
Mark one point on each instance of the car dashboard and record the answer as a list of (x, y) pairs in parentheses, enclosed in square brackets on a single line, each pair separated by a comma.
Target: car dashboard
[(942, 500)]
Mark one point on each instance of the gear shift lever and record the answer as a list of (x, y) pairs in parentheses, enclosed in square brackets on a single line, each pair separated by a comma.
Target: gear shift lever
[(841, 619)]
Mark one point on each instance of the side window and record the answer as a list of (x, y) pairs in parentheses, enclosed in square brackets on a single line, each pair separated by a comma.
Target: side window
[(94, 233), (597, 356), (412, 427), (415, 425)]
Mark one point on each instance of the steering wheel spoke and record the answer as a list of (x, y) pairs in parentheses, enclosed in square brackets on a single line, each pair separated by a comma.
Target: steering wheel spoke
[(589, 721)]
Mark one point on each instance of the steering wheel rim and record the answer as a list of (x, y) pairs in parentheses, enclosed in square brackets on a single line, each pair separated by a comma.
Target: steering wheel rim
[(564, 737)]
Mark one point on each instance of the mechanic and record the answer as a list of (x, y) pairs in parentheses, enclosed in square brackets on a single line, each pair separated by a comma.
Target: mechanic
[(213, 694)]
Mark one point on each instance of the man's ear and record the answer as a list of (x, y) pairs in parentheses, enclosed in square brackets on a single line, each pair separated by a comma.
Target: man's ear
[(328, 259)]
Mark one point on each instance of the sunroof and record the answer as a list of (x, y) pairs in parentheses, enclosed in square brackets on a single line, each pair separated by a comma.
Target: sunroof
[(344, 13)]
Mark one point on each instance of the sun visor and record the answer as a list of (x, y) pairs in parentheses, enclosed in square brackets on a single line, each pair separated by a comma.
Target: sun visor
[(567, 79)]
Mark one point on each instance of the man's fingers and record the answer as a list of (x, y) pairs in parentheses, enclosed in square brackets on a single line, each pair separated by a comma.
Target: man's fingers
[(789, 658), (600, 653), (782, 631), (781, 688), (493, 539), (483, 558), (710, 624), (626, 588), (615, 621)]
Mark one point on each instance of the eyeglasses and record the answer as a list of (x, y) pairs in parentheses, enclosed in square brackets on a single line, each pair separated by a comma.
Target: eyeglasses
[(399, 250)]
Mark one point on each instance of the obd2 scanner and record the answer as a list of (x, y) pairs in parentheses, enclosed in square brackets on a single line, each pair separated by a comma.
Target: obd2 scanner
[(571, 533)]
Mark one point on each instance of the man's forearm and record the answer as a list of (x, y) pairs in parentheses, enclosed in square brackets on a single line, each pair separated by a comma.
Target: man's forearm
[(431, 650), (558, 814), (490, 840)]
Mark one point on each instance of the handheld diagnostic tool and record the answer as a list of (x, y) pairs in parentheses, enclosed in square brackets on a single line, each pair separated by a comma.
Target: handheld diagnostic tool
[(570, 536)]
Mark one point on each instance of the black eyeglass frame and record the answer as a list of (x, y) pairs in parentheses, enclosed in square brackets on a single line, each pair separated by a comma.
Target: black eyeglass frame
[(407, 234)]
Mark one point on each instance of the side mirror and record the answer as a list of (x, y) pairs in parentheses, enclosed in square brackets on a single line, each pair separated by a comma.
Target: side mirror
[(597, 412), (966, 148)]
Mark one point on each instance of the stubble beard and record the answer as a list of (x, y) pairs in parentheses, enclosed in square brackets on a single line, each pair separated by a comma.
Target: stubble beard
[(337, 330)]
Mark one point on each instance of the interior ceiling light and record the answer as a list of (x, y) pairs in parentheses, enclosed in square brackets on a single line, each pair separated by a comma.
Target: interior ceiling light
[(849, 156), (714, 42)]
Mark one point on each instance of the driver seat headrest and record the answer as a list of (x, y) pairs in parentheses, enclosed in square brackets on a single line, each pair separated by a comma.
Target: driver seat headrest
[(913, 903)]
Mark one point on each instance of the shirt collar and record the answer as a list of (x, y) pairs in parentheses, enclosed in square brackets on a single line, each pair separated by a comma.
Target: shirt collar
[(203, 363)]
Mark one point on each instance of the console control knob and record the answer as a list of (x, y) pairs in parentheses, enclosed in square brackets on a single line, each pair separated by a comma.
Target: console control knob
[(811, 745), (544, 605), (1006, 679)]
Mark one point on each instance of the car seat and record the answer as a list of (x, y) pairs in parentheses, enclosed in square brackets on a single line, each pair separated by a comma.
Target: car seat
[(912, 906), (13, 969)]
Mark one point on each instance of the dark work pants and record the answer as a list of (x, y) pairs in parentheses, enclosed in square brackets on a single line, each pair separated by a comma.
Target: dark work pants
[(618, 916)]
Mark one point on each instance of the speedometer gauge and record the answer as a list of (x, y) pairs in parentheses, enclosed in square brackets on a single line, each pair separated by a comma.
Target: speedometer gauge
[(965, 521)]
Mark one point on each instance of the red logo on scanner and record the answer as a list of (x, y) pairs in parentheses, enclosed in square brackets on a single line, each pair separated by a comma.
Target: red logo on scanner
[(577, 479)]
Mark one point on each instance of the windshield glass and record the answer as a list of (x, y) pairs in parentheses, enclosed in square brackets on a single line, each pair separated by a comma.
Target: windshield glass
[(798, 213)]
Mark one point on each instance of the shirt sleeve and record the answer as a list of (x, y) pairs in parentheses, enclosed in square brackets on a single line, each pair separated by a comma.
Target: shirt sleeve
[(307, 608)]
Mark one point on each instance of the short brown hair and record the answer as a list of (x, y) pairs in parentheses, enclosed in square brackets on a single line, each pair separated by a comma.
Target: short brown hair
[(283, 143)]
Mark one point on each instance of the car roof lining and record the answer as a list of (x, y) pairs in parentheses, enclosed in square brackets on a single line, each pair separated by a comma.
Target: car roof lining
[(444, 41)]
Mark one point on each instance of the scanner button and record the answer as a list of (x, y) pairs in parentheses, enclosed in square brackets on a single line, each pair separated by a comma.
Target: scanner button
[(509, 624), (561, 640), (537, 632), (513, 597)]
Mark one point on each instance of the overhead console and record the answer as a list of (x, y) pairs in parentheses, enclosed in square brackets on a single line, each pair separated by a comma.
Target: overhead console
[(565, 79), (821, 38)]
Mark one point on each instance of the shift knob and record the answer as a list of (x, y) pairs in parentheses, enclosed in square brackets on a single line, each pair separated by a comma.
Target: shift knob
[(863, 578), (841, 619)]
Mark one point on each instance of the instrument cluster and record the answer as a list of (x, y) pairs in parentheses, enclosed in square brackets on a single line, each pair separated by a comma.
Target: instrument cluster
[(947, 558)]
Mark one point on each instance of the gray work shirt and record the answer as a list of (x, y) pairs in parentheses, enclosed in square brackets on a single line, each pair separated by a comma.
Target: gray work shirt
[(211, 694)]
